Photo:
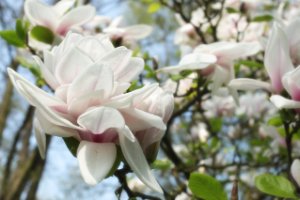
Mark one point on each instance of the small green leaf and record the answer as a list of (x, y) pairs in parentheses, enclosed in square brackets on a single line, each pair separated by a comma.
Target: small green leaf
[(216, 124), (251, 63), (42, 34), (153, 7), (11, 37), (275, 121), (162, 164), (206, 187), (277, 186), (231, 10), (262, 18), (22, 29), (72, 144)]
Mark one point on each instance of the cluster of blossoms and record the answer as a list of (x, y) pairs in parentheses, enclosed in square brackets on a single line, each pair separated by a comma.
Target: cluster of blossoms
[(90, 79)]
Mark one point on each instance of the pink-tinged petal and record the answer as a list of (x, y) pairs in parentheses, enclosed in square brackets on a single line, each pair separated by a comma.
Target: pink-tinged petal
[(295, 171), (80, 104), (95, 160), (37, 92), (283, 103), (40, 137), (119, 88), (93, 78), (193, 61), (292, 31), (133, 154), (117, 60), (138, 120), (137, 32), (131, 71), (76, 16), (291, 83), (127, 100), (71, 64), (41, 14), (61, 92), (95, 47), (277, 59), (48, 128), (40, 99), (249, 84), (100, 119), (46, 72), (62, 7), (232, 51)]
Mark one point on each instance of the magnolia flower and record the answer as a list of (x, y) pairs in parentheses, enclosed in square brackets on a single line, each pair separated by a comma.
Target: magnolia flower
[(59, 18), (292, 85), (277, 63), (295, 171), (89, 77), (127, 34), (215, 60)]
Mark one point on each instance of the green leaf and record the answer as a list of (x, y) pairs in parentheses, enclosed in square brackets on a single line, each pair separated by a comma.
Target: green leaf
[(231, 10), (275, 121), (11, 37), (162, 164), (277, 186), (42, 34), (22, 29), (206, 187), (216, 124), (153, 7), (251, 63), (72, 144), (262, 18)]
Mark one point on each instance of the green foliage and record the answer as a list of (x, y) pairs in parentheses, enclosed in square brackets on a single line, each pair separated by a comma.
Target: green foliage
[(12, 38), (42, 34), (162, 164), (231, 10), (251, 64), (72, 144), (153, 7), (181, 75), (275, 121), (262, 18), (277, 186), (206, 187), (22, 28), (216, 124)]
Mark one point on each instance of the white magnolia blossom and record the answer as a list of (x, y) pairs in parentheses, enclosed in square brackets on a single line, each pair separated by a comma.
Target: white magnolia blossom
[(277, 62), (215, 60), (90, 79), (127, 34), (295, 171), (59, 18)]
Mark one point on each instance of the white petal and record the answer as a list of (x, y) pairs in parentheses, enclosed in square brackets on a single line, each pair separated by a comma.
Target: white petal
[(137, 32), (295, 171), (76, 16), (40, 99), (94, 78), (48, 75), (138, 120), (95, 47), (193, 61), (62, 91), (80, 104), (281, 102), (62, 7), (40, 137), (52, 129), (41, 14), (249, 84), (95, 160), (130, 71), (98, 120), (277, 59), (133, 154), (72, 64)]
